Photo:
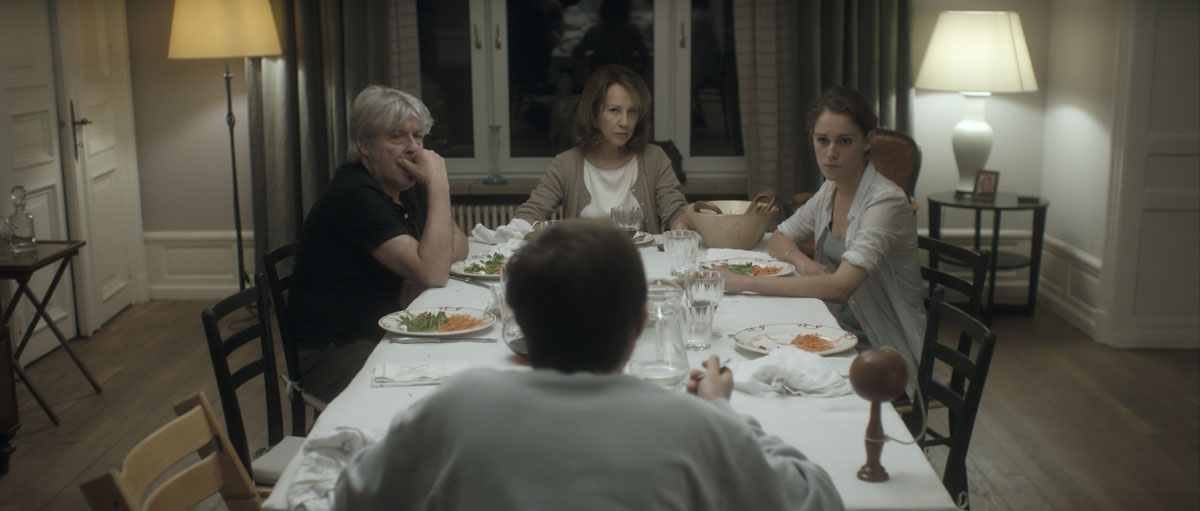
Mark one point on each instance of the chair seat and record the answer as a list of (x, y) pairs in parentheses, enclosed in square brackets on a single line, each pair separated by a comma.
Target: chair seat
[(269, 466)]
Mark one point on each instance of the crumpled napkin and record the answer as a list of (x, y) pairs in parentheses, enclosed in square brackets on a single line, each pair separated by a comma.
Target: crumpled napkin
[(423, 373), (789, 370), (322, 459), (728, 253), (516, 229)]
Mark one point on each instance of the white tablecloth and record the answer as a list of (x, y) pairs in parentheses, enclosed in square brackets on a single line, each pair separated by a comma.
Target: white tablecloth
[(828, 430)]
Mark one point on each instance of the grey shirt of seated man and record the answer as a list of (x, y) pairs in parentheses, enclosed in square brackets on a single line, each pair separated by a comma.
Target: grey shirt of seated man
[(576, 433)]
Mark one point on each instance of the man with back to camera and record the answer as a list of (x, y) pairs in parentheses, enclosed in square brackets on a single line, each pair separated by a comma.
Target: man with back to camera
[(378, 234), (575, 432)]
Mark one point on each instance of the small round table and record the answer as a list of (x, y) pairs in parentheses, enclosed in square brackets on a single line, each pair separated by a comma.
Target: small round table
[(1000, 260)]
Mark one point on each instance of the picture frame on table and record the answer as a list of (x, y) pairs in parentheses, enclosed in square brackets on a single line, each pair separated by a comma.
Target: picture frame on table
[(986, 182)]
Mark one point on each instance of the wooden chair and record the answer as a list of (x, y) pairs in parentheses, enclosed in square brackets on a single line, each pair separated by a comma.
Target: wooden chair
[(196, 430), (961, 394), (274, 261), (266, 468), (976, 262)]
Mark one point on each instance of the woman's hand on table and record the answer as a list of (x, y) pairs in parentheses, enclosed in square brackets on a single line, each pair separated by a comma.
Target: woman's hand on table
[(807, 267), (713, 382), (734, 282)]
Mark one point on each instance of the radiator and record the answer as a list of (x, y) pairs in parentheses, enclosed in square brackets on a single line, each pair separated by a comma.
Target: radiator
[(490, 215)]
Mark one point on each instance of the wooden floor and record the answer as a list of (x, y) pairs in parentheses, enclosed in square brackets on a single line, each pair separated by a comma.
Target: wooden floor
[(1066, 423)]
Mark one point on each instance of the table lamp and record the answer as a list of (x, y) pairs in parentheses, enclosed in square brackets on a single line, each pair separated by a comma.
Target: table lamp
[(225, 29), (976, 53)]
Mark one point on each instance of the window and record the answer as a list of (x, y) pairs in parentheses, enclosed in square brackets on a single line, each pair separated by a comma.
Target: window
[(507, 75)]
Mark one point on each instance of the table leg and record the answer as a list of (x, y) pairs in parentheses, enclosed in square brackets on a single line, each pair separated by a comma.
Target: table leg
[(36, 396), (991, 302), (1035, 257), (40, 313), (935, 228)]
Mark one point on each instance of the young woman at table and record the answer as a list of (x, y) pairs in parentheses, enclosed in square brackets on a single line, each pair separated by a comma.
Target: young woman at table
[(613, 165), (867, 267), (576, 432)]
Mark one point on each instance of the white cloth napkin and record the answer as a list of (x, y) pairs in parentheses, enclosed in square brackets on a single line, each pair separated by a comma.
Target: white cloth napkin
[(424, 373), (728, 253), (789, 370), (322, 459), (515, 230)]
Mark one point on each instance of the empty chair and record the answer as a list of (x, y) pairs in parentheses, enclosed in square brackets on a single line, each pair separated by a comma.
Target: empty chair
[(274, 261), (961, 393), (196, 430), (976, 262), (266, 468)]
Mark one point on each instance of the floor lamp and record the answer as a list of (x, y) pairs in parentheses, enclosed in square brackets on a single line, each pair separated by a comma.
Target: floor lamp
[(225, 29), (976, 53)]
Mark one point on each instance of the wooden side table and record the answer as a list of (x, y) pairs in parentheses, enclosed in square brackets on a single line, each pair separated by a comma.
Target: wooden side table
[(1000, 260), (20, 268)]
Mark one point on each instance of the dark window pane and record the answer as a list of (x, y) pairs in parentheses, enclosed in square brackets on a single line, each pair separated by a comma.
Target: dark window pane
[(551, 53), (446, 75), (716, 119)]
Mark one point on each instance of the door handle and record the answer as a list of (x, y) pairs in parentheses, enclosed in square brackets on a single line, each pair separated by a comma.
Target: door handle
[(74, 133), (478, 41), (498, 40)]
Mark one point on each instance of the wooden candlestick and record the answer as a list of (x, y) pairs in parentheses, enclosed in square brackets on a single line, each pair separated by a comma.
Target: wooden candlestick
[(877, 375)]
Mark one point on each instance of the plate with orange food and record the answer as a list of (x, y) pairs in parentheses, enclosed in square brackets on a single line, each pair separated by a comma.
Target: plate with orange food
[(437, 321), (752, 267), (819, 339)]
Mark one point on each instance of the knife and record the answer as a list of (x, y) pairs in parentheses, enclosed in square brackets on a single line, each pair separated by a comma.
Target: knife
[(469, 281), (434, 340)]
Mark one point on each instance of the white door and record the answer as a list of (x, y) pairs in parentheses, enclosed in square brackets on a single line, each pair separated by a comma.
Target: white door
[(100, 176), (30, 157)]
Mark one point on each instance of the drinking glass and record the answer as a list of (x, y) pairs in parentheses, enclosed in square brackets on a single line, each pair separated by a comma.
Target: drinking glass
[(681, 247), (697, 325), (705, 287), (510, 331), (628, 219)]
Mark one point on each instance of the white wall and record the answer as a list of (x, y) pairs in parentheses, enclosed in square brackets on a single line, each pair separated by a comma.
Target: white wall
[(1080, 106), (182, 138)]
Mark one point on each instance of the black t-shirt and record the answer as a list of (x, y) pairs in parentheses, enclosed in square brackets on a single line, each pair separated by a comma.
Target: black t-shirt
[(339, 290)]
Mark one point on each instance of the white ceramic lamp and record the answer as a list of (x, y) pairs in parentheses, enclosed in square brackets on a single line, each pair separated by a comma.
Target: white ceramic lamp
[(976, 53)]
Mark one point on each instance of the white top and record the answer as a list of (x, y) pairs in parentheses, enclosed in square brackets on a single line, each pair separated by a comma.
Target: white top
[(609, 188), (829, 431), (882, 240), (547, 440)]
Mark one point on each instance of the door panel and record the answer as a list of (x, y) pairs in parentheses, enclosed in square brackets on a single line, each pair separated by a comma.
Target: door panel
[(102, 180), (29, 156)]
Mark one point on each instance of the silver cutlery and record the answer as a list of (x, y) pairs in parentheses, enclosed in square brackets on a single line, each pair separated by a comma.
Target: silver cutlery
[(469, 281), (434, 340)]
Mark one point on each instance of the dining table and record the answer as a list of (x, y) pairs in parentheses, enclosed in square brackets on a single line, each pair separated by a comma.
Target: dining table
[(828, 430)]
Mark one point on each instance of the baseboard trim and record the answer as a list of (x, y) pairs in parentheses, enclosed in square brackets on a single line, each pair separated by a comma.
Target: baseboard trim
[(195, 265)]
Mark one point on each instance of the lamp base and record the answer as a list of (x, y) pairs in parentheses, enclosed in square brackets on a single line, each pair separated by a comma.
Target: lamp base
[(972, 141), (495, 179)]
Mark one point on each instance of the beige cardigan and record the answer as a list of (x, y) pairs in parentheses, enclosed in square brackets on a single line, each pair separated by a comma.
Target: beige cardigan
[(656, 189)]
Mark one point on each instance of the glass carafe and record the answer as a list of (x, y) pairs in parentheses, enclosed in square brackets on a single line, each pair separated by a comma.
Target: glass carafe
[(21, 222), (659, 355)]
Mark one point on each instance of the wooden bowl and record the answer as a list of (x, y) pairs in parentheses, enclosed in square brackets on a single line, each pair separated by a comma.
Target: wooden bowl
[(733, 227)]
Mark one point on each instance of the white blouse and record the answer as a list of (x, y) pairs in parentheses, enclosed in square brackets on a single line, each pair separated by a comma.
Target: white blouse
[(609, 188)]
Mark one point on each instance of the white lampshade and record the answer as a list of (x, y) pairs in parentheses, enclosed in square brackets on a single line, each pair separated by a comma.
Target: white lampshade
[(203, 29), (977, 51)]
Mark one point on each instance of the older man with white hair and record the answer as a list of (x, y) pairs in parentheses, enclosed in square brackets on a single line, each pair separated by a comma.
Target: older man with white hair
[(379, 232)]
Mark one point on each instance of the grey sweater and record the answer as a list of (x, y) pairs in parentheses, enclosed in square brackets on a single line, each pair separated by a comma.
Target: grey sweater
[(547, 440), (656, 189)]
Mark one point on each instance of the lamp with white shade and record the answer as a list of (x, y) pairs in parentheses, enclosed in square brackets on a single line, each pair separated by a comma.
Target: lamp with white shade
[(225, 29), (976, 53)]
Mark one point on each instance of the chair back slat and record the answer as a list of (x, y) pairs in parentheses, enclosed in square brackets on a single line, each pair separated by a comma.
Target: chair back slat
[(977, 263)]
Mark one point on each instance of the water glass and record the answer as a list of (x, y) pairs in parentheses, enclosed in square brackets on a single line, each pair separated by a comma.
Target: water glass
[(681, 247), (705, 286), (697, 325), (628, 219)]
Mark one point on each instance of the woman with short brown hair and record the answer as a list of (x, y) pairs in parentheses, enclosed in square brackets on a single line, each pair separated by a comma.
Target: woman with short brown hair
[(612, 165)]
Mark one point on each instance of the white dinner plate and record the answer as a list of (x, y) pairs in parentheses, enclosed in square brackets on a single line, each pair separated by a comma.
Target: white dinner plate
[(460, 267), (642, 238), (785, 268), (391, 322), (768, 338)]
